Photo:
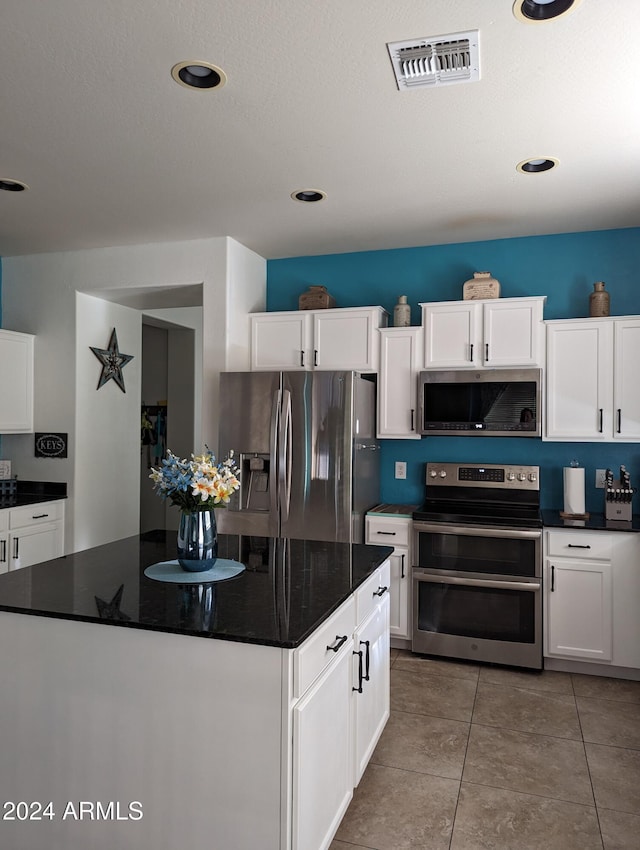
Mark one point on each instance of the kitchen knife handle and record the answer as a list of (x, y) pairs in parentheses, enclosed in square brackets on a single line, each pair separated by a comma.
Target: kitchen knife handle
[(600, 429), (336, 646), (619, 420), (402, 568), (553, 578)]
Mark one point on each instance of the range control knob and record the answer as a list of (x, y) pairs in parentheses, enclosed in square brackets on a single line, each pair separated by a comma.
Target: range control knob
[(533, 476), (443, 474), (511, 476), (521, 476), (433, 473)]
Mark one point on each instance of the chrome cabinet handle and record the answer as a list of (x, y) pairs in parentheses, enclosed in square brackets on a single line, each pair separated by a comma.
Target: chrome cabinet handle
[(402, 568), (413, 427), (3, 559), (336, 646), (471, 352), (315, 356), (619, 420), (600, 428), (553, 578), (486, 352), (15, 547), (367, 644), (302, 358)]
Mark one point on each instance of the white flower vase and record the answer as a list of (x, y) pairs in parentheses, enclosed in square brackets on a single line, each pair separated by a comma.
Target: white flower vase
[(197, 541)]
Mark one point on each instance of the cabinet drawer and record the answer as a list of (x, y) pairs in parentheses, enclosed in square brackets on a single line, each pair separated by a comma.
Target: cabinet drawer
[(369, 594), (387, 531), (579, 544), (29, 515), (316, 654)]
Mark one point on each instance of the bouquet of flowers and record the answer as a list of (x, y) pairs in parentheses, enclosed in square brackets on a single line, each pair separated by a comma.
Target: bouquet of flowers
[(198, 484)]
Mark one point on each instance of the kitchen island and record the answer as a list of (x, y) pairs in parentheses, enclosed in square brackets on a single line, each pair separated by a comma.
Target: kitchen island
[(231, 715)]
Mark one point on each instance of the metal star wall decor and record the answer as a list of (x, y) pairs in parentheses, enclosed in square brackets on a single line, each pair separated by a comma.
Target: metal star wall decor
[(112, 362)]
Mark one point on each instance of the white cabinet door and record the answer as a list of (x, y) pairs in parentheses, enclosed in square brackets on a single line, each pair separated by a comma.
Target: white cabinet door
[(322, 756), (16, 382), (626, 600), (400, 353), (626, 393), (451, 335), (513, 332), (399, 594), (346, 339), (579, 381), (579, 609), (280, 341), (29, 546), (371, 684)]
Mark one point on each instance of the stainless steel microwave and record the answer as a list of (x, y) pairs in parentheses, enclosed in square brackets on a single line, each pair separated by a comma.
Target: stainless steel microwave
[(490, 403)]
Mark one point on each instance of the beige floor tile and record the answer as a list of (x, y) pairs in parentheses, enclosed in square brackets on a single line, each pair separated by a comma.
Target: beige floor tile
[(400, 810), (494, 819), (606, 721), (342, 845), (528, 763), (437, 666), (527, 711), (393, 654), (425, 693), (615, 775), (620, 831), (425, 744), (602, 687), (546, 680)]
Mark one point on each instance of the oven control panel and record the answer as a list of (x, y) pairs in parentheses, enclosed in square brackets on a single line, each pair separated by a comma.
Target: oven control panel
[(483, 475)]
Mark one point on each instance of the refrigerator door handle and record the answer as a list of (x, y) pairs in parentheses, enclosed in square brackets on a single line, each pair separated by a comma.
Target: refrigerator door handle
[(273, 445), (284, 456)]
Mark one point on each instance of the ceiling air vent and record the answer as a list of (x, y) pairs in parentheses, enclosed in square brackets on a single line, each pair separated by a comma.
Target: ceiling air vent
[(437, 60)]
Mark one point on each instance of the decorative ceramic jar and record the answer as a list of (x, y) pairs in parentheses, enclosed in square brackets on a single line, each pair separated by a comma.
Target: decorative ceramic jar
[(599, 301), (402, 313), (316, 298), (197, 541), (482, 285)]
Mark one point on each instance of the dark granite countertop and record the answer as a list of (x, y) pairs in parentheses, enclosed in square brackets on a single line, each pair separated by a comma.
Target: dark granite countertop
[(596, 522), (32, 492), (289, 587)]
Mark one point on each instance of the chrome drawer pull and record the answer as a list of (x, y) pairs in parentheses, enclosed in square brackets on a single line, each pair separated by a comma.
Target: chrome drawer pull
[(336, 646)]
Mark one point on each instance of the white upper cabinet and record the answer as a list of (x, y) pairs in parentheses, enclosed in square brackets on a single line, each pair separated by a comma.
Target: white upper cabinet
[(592, 386), (16, 382), (491, 334), (401, 352), (343, 338)]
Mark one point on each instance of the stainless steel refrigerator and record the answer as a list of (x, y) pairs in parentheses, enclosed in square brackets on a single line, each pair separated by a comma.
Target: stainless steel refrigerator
[(306, 446)]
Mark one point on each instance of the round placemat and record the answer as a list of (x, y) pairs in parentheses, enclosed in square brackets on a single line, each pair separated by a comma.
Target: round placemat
[(173, 572)]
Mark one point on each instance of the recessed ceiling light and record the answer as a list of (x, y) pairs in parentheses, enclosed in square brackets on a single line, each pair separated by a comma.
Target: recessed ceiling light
[(9, 185), (536, 165), (194, 74), (309, 196), (539, 11)]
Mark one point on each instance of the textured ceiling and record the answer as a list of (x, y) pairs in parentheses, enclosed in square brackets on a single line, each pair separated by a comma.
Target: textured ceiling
[(115, 152)]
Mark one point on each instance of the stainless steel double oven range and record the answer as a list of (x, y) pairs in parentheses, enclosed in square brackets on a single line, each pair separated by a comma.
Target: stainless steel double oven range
[(477, 564)]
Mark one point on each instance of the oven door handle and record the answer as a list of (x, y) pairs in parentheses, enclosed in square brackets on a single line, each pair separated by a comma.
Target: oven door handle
[(479, 582), (477, 531)]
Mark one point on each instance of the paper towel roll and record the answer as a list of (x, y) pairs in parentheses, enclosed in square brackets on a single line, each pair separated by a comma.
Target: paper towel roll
[(573, 489)]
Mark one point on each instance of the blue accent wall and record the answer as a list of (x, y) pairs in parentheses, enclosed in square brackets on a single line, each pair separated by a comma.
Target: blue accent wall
[(563, 267)]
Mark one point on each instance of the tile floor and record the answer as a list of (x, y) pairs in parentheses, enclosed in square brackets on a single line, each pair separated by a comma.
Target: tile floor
[(477, 757)]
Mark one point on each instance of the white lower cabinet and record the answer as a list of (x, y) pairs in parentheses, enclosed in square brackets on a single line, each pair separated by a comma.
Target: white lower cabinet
[(592, 597), (35, 533), (395, 531)]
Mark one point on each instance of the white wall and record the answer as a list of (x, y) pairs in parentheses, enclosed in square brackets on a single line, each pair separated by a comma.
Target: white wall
[(38, 294), (107, 426)]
